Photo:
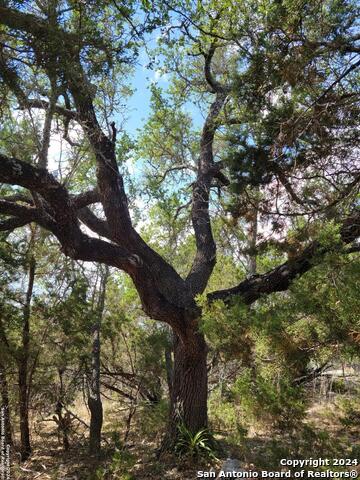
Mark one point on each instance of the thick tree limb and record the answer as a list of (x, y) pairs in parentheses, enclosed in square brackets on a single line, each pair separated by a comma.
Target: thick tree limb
[(205, 258), (110, 182), (12, 223), (216, 87), (94, 223), (11, 208), (161, 278), (23, 215), (161, 289), (281, 277), (34, 25), (206, 249), (86, 198), (161, 282), (60, 216), (44, 105), (80, 201)]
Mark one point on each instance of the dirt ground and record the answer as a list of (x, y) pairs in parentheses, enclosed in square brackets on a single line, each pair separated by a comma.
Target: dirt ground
[(139, 461)]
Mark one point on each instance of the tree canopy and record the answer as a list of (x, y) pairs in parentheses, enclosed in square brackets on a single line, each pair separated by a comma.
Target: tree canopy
[(243, 177)]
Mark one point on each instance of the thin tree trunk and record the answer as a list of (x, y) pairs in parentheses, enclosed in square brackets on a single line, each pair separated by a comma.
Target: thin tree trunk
[(5, 405), (169, 364), (25, 447), (190, 388), (132, 412), (63, 421), (94, 399)]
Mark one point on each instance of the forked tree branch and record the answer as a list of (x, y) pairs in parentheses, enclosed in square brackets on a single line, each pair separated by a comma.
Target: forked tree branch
[(60, 216), (158, 275), (205, 257)]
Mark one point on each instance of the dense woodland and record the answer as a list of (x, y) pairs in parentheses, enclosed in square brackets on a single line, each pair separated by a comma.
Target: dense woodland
[(186, 290)]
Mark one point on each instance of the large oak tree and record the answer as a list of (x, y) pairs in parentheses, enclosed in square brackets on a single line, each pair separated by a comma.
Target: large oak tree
[(278, 78)]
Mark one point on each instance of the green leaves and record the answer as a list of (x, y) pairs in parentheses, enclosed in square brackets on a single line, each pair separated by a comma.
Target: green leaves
[(269, 401), (195, 445), (146, 4)]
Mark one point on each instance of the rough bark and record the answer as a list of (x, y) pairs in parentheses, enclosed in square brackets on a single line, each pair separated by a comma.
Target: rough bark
[(23, 361), (205, 257), (189, 388), (169, 364)]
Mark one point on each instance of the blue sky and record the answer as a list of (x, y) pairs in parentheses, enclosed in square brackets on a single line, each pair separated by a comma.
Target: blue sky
[(139, 102)]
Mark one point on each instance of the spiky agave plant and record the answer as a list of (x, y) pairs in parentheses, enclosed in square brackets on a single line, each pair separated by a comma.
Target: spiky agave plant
[(195, 445)]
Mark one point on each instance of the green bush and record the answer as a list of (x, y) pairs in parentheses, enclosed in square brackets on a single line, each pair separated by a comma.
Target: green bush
[(226, 418), (152, 418), (263, 400), (339, 386), (350, 416), (222, 413), (119, 468)]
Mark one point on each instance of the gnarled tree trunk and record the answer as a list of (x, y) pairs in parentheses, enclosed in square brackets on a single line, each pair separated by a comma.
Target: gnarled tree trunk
[(189, 388), (165, 295)]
